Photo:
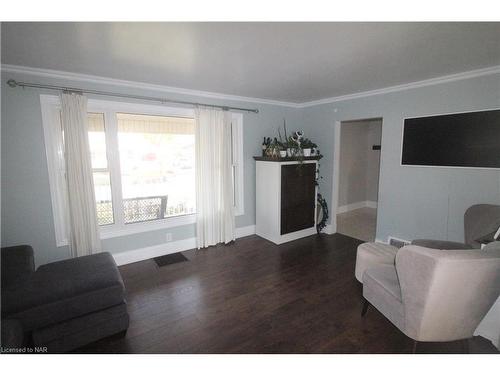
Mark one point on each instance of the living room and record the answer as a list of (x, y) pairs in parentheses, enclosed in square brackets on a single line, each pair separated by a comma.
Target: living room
[(190, 187)]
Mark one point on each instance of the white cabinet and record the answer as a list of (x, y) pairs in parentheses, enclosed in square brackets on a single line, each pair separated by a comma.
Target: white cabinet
[(285, 199)]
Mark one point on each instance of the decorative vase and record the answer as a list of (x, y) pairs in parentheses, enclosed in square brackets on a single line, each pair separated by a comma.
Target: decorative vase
[(307, 152), (289, 152)]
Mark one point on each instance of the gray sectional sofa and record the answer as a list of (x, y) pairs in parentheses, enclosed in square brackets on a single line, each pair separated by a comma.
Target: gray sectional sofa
[(62, 305)]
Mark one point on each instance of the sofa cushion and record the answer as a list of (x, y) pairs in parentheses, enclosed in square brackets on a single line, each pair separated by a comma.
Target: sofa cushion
[(76, 332), (63, 290), (17, 264), (12, 334)]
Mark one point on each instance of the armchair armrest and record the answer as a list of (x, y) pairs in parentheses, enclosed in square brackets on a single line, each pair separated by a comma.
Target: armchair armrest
[(17, 264), (441, 245)]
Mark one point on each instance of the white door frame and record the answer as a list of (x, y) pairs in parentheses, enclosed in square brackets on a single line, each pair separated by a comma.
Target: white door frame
[(335, 175), (336, 166)]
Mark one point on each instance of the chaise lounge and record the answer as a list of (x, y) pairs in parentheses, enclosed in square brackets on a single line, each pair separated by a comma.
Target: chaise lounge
[(62, 305)]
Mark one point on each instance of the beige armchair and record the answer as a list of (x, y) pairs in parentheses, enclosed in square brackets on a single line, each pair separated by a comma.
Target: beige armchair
[(479, 220), (433, 295)]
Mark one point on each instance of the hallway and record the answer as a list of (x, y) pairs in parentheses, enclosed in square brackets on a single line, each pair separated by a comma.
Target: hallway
[(360, 223)]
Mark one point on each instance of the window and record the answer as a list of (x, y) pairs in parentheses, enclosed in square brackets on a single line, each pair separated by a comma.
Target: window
[(157, 166), (143, 165), (100, 170)]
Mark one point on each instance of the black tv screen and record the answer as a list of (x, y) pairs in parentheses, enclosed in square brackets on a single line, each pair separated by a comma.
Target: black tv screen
[(469, 139)]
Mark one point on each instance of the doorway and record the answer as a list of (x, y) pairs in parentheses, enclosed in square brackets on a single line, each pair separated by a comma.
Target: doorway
[(356, 179)]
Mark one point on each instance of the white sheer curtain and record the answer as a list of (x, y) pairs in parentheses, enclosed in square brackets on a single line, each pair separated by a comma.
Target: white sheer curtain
[(84, 229), (214, 182)]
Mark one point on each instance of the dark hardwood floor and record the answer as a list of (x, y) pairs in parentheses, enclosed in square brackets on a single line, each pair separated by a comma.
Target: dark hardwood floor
[(257, 297)]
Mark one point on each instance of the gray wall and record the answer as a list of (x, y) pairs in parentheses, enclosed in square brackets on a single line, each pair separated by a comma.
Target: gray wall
[(414, 201), (26, 206), (358, 163)]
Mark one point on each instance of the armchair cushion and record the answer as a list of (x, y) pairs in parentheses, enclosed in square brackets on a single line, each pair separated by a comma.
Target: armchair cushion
[(381, 288), (495, 245)]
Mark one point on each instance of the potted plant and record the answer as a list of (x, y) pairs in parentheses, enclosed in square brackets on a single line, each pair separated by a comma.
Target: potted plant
[(307, 146), (282, 149), (291, 147), (275, 148), (265, 145), (314, 149)]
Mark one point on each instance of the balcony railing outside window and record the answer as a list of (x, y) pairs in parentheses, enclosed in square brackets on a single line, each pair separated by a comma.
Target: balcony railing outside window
[(141, 209), (144, 209)]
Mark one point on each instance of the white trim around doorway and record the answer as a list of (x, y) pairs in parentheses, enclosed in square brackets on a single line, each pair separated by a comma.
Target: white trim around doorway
[(336, 176)]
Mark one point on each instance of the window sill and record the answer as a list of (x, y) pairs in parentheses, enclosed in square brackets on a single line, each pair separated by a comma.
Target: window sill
[(150, 226), (136, 228)]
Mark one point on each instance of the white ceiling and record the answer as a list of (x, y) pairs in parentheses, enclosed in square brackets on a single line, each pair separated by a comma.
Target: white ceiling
[(294, 62)]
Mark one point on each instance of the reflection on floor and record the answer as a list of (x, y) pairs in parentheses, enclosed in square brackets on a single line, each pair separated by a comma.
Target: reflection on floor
[(360, 223)]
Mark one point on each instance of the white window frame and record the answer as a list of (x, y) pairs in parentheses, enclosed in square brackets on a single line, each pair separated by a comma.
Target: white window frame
[(51, 106), (237, 129)]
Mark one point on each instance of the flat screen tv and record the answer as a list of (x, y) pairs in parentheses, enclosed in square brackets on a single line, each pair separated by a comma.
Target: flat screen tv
[(470, 139)]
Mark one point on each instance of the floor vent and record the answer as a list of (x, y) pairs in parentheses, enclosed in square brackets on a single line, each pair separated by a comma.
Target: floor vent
[(165, 260), (398, 242)]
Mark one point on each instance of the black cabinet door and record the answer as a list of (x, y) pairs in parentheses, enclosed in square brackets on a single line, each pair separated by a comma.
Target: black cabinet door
[(297, 197)]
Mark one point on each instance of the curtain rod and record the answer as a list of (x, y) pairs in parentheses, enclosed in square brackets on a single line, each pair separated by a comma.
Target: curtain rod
[(14, 83)]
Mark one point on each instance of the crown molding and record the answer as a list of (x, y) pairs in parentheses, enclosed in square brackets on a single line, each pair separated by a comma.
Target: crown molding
[(58, 74), (6, 68), (407, 86)]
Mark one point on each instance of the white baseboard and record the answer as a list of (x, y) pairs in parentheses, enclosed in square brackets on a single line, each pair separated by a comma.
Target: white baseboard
[(280, 239), (245, 231), (355, 206), (149, 252), (329, 229)]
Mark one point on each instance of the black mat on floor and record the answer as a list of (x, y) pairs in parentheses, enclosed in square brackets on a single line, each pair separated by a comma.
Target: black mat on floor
[(170, 259)]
